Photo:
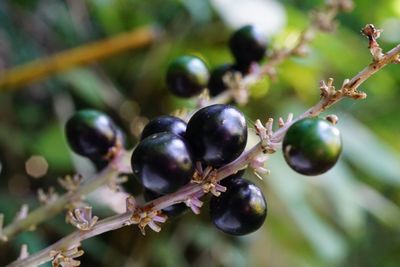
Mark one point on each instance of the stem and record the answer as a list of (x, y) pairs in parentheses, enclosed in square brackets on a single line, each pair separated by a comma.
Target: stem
[(41, 68), (323, 20), (53, 208), (349, 89)]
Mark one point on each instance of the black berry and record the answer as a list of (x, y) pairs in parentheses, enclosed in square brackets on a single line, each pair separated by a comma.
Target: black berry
[(164, 124), (91, 133), (312, 146), (187, 76), (241, 210), (217, 134), (216, 84), (247, 45), (171, 211), (163, 162)]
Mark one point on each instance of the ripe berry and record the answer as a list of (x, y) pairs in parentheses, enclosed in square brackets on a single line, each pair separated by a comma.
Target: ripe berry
[(241, 210), (312, 146), (217, 134), (187, 76), (164, 124), (163, 162), (216, 84), (91, 133), (248, 45), (171, 211)]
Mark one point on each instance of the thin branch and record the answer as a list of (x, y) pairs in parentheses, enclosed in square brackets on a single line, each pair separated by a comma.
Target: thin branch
[(323, 19), (52, 208), (268, 144), (42, 68)]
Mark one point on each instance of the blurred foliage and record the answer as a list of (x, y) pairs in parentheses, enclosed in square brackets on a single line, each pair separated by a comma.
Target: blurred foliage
[(347, 217)]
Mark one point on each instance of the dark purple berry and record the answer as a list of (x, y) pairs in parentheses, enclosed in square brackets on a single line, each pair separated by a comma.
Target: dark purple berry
[(241, 210), (164, 124), (217, 134), (163, 162), (91, 133), (248, 45), (216, 84)]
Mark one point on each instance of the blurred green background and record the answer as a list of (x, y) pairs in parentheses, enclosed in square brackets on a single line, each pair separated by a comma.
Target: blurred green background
[(347, 217)]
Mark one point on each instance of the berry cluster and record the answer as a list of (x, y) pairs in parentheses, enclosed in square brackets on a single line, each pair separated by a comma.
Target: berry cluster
[(187, 76), (172, 152)]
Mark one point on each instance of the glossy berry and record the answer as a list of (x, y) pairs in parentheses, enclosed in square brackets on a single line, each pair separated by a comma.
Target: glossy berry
[(247, 45), (217, 134), (91, 133), (163, 162), (312, 146), (187, 76), (101, 163), (241, 210), (216, 84), (164, 124), (171, 211)]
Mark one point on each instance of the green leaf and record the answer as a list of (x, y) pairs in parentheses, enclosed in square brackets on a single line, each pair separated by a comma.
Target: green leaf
[(368, 152)]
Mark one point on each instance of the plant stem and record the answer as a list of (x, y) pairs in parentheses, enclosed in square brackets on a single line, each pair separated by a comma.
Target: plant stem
[(41, 68), (348, 89), (53, 208)]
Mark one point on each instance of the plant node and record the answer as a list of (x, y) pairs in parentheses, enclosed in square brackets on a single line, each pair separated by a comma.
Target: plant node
[(66, 258), (24, 253), (82, 218), (47, 198), (194, 203), (71, 183), (265, 133), (373, 34), (235, 82), (144, 216), (22, 213)]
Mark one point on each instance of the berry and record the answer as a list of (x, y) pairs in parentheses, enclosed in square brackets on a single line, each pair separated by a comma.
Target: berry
[(217, 134), (216, 84), (312, 146), (163, 162), (91, 133), (241, 210), (187, 76), (248, 45), (171, 211), (164, 124), (101, 163)]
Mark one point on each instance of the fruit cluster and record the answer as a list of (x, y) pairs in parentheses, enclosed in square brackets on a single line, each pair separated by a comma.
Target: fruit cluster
[(171, 151), (187, 75)]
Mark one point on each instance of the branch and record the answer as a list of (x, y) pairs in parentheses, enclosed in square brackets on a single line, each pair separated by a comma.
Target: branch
[(149, 214), (323, 20), (52, 208), (42, 68)]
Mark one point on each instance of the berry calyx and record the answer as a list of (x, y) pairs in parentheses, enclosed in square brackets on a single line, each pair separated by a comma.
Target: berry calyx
[(217, 134), (163, 162), (241, 210), (312, 146), (171, 211), (164, 124), (247, 45), (187, 76), (91, 134)]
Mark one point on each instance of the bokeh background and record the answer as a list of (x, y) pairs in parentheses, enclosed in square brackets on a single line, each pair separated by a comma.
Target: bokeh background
[(347, 217)]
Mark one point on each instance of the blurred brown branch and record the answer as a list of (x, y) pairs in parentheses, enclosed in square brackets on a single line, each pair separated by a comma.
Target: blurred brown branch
[(44, 67)]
